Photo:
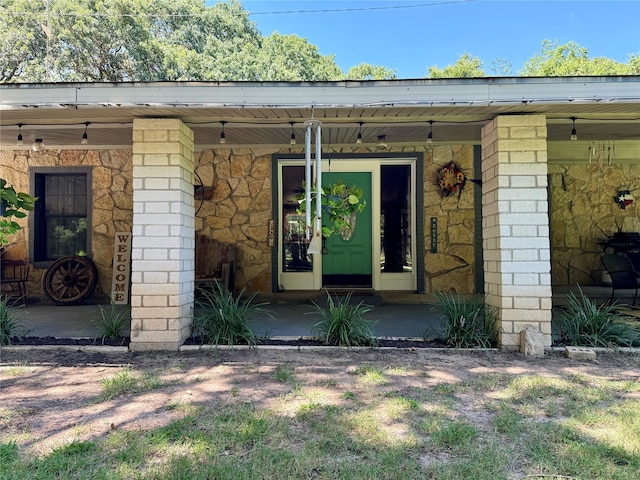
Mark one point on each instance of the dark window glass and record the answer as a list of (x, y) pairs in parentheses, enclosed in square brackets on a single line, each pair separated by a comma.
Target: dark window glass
[(395, 224), (61, 215), (294, 248)]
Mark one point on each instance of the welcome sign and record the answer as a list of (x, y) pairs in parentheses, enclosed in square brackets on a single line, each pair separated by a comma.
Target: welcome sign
[(121, 268)]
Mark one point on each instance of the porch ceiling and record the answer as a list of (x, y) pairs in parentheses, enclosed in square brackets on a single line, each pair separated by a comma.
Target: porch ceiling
[(258, 114)]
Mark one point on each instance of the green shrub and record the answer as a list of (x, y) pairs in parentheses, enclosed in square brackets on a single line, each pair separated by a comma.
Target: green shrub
[(220, 318), (114, 322), (344, 324), (583, 323), (468, 322), (11, 322)]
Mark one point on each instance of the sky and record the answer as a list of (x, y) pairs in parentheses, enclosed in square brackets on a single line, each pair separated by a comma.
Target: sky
[(412, 35)]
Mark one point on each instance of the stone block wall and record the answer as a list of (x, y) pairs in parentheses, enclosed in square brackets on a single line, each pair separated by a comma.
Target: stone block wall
[(517, 260), (453, 266), (583, 213), (112, 201), (163, 240)]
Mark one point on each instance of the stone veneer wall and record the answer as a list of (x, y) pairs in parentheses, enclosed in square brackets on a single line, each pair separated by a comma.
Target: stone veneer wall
[(453, 266), (112, 201), (240, 209), (583, 213)]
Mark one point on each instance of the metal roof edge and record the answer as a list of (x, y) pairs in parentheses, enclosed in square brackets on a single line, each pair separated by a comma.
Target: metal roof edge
[(371, 93)]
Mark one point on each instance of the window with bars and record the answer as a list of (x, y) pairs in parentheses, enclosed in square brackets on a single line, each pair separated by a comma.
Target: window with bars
[(61, 220)]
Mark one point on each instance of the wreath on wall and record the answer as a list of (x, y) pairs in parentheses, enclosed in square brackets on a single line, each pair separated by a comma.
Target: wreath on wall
[(451, 179)]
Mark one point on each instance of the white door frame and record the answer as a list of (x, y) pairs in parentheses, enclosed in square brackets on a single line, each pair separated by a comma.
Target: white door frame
[(380, 281)]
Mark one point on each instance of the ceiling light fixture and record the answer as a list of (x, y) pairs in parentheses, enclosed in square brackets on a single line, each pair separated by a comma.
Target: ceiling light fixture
[(20, 141), (293, 135), (38, 145), (359, 139), (574, 132), (430, 136), (223, 138), (382, 144), (85, 137)]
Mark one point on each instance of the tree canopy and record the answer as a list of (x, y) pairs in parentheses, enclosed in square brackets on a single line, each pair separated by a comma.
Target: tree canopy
[(155, 40)]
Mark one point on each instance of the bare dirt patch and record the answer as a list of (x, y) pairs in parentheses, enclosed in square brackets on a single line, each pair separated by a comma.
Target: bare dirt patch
[(52, 397)]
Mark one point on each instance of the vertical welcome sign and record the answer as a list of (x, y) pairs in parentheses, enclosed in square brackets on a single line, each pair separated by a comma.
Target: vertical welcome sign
[(121, 268)]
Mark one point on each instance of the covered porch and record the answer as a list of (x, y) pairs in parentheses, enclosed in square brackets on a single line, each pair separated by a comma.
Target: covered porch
[(149, 145)]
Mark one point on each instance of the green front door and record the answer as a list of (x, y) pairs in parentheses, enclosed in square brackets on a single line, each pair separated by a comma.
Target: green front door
[(348, 263)]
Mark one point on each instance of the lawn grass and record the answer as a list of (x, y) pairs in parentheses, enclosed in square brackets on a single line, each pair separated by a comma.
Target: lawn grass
[(489, 426)]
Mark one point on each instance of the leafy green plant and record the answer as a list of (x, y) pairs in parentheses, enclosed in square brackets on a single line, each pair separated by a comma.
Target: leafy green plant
[(11, 322), (343, 323), (469, 322), (220, 318), (114, 322), (339, 202), (12, 204), (584, 323)]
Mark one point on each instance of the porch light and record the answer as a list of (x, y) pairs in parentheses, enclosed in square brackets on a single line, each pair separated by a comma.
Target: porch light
[(293, 135), (430, 136), (85, 137), (38, 145), (574, 133), (359, 139), (223, 138), (20, 142), (382, 144)]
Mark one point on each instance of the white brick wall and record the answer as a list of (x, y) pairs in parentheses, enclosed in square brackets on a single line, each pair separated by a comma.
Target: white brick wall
[(163, 264), (515, 225)]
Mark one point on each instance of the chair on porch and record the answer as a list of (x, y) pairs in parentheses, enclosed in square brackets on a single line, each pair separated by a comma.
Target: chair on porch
[(215, 261), (623, 275), (13, 280)]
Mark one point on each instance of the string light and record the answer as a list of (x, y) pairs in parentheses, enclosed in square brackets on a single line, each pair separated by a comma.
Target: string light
[(85, 137), (574, 132), (38, 145), (359, 139), (223, 138), (293, 135), (430, 136), (20, 141)]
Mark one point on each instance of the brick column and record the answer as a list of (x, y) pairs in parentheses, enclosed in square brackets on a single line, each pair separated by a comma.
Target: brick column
[(515, 225), (162, 254)]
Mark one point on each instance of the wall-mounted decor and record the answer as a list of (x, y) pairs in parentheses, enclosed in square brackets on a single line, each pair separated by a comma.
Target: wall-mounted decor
[(624, 198), (451, 179)]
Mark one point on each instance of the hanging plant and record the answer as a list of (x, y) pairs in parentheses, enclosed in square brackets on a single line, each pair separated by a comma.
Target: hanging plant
[(340, 203), (451, 179)]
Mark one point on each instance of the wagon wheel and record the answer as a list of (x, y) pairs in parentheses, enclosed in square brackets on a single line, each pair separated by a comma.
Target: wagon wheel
[(70, 280)]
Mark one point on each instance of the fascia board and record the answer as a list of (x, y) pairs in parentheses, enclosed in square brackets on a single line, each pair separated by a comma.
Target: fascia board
[(479, 92)]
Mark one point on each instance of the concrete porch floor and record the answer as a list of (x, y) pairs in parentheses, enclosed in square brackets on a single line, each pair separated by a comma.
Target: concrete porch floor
[(403, 315)]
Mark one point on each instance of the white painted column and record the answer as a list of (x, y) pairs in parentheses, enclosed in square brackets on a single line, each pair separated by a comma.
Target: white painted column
[(515, 225), (162, 256)]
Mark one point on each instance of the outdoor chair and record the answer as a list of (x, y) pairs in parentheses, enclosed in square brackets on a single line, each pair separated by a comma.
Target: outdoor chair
[(13, 280), (623, 275)]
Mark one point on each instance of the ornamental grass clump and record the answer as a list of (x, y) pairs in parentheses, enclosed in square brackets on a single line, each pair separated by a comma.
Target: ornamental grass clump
[(220, 318), (468, 322), (583, 323), (113, 323), (12, 326), (344, 324)]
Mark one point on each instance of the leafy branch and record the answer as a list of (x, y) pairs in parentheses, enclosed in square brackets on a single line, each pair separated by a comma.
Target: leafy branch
[(12, 205), (339, 201)]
